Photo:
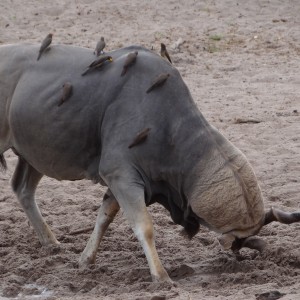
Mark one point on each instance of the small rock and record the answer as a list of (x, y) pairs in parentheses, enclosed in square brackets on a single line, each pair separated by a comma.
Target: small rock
[(272, 295), (19, 280), (177, 44), (182, 271), (11, 290), (158, 298)]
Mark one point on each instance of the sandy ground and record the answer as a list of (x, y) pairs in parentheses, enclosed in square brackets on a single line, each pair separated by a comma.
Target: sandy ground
[(241, 61)]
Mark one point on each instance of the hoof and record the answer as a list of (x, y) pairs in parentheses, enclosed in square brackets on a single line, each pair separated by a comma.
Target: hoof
[(255, 243), (249, 242), (85, 261), (226, 241), (163, 278), (52, 242)]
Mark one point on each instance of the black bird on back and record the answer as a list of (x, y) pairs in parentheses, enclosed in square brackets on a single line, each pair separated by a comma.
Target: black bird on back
[(130, 60), (98, 63), (45, 44)]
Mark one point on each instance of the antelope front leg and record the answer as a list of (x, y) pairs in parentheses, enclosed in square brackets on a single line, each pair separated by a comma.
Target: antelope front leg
[(131, 199)]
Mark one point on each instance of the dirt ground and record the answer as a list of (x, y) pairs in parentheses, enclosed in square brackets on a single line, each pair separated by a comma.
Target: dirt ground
[(241, 61)]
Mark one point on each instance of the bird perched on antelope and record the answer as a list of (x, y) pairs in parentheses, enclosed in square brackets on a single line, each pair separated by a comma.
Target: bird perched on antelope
[(96, 64), (130, 60), (45, 44), (100, 46), (164, 52), (66, 94), (158, 81)]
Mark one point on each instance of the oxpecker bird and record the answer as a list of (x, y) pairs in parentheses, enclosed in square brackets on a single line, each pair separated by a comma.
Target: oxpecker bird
[(140, 138), (158, 81), (99, 47), (45, 44), (130, 60), (66, 94), (164, 52), (96, 64)]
